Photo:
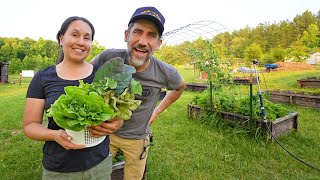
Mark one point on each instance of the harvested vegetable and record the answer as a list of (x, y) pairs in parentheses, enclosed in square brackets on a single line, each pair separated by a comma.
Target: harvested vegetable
[(110, 95)]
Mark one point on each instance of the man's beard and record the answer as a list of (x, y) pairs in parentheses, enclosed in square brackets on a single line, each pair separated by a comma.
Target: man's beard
[(137, 62)]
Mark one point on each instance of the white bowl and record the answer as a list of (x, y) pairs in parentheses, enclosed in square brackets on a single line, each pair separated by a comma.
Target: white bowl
[(82, 137)]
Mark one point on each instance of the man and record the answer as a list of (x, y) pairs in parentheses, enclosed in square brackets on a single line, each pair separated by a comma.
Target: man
[(143, 38)]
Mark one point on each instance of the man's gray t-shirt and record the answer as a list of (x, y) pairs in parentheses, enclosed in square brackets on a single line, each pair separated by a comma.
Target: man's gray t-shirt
[(157, 76)]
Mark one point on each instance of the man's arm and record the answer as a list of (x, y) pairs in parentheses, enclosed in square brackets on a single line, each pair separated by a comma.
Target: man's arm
[(170, 98), (105, 128)]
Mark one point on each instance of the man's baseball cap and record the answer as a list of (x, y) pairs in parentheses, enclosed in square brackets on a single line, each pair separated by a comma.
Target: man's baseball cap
[(150, 13)]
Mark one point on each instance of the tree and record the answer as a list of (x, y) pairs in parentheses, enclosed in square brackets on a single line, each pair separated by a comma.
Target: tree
[(254, 51), (298, 51), (45, 48), (237, 47), (278, 54), (311, 37), (96, 49), (221, 43), (176, 55), (302, 22)]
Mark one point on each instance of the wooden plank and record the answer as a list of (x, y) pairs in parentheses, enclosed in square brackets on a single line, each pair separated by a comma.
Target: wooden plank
[(298, 99), (314, 83), (196, 87), (117, 171)]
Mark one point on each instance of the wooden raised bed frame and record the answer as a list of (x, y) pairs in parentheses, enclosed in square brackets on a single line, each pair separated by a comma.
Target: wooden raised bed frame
[(117, 171), (196, 87), (297, 99), (247, 80), (313, 83), (278, 127)]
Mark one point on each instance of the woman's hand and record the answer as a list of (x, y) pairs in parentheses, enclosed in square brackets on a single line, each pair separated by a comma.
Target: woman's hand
[(105, 128), (64, 140)]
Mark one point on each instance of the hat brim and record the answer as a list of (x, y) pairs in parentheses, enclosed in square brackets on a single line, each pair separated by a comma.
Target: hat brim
[(151, 18)]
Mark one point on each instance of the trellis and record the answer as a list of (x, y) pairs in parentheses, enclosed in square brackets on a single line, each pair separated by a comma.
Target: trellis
[(206, 29)]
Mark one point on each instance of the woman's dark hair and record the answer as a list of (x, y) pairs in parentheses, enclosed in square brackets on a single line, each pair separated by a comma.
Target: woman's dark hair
[(64, 28)]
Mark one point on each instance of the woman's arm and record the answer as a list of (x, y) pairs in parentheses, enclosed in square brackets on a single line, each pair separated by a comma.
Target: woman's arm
[(33, 128)]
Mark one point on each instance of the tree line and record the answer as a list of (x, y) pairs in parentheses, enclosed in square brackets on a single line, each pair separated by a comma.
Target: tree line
[(29, 54), (269, 42)]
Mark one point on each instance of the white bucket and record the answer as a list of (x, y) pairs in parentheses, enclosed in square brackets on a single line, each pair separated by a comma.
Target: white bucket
[(83, 137)]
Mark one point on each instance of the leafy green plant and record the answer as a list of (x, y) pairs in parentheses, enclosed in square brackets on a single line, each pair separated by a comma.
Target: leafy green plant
[(79, 108), (223, 101), (209, 62), (111, 94), (273, 111)]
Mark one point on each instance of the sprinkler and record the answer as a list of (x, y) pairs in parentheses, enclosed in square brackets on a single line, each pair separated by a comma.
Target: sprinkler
[(263, 113)]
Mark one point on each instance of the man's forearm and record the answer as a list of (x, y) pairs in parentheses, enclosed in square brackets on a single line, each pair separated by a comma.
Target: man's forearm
[(170, 98)]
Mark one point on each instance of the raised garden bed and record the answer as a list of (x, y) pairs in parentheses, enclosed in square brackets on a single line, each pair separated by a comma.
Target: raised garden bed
[(294, 98), (277, 128), (117, 171), (310, 82), (244, 80), (196, 87)]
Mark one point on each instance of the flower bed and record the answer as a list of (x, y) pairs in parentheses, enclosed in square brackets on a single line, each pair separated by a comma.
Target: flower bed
[(276, 128)]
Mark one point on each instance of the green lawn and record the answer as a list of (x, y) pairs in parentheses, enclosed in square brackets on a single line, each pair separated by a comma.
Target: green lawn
[(191, 149), (183, 148)]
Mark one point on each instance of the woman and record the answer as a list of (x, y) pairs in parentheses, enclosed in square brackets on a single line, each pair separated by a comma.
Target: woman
[(62, 159)]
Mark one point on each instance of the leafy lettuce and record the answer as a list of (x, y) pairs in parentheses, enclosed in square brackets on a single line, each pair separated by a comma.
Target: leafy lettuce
[(79, 108), (110, 95)]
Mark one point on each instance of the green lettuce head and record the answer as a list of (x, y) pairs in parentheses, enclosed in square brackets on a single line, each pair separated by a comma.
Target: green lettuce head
[(79, 108)]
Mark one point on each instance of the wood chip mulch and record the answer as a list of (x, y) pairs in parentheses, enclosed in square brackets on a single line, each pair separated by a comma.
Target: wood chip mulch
[(294, 66)]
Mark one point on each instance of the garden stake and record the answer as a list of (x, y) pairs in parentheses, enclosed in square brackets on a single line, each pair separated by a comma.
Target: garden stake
[(251, 97), (211, 105)]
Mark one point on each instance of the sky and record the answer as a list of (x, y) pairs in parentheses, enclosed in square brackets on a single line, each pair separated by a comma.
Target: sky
[(43, 18)]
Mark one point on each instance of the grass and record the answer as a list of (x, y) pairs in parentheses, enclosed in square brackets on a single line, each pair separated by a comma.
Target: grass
[(188, 75), (191, 149), (288, 80), (183, 148), (18, 155)]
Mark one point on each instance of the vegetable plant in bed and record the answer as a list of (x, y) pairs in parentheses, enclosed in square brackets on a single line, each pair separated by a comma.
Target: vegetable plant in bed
[(209, 62), (231, 108)]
